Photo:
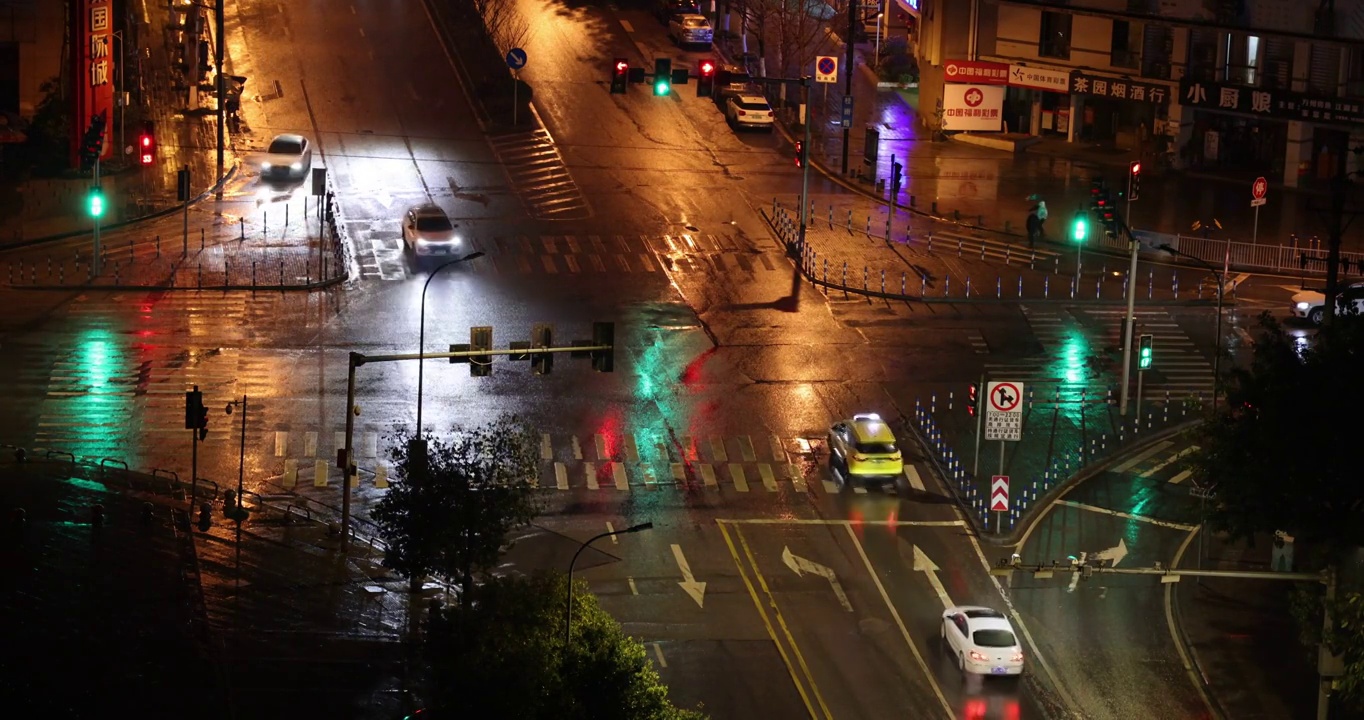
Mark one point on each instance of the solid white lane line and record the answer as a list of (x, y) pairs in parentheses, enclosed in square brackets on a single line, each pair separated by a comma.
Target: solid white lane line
[(1129, 516)]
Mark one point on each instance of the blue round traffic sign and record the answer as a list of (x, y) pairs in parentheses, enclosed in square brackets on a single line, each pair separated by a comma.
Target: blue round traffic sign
[(516, 58), (827, 65)]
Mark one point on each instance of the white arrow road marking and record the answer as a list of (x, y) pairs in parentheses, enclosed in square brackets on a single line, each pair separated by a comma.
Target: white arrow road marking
[(925, 565), (697, 590), (1116, 554), (800, 566)]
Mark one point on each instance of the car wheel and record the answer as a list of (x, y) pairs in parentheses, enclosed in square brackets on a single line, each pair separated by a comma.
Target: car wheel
[(1315, 317)]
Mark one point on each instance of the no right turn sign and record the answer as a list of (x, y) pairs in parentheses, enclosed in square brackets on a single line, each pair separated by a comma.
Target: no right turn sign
[(1004, 411)]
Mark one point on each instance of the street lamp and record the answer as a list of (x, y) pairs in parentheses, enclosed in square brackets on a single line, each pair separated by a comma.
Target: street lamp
[(568, 613), (1221, 286), (421, 335)]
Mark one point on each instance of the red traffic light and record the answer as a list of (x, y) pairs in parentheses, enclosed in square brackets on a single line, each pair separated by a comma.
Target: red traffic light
[(146, 141), (707, 67), (622, 67), (1136, 167)]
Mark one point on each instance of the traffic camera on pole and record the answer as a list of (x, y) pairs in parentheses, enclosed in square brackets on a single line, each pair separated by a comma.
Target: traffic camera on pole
[(620, 76), (1144, 354), (705, 78), (146, 144), (1133, 180)]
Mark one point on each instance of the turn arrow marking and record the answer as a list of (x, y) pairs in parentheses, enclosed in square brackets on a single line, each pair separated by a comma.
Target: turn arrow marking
[(1115, 554), (697, 590), (800, 566), (925, 565)]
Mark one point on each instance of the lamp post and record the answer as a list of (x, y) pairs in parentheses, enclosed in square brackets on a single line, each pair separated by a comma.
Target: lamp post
[(122, 55), (568, 611), (1221, 287), (421, 333)]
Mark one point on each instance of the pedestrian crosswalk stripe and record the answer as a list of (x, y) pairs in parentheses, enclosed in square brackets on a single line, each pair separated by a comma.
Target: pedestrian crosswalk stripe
[(1181, 476), (618, 472), (561, 476), (736, 473), (717, 450), (1139, 457), (769, 480), (746, 449)]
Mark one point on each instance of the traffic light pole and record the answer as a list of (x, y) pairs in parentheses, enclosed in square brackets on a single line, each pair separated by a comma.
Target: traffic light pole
[(848, 68), (97, 262), (222, 87), (1127, 326), (356, 359), (805, 163)]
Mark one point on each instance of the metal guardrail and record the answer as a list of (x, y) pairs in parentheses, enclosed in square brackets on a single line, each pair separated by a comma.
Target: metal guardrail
[(1303, 257)]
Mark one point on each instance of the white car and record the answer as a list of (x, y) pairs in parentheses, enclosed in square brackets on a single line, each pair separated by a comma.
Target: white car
[(428, 232), (748, 110), (690, 29), (289, 156), (982, 641), (1311, 304)]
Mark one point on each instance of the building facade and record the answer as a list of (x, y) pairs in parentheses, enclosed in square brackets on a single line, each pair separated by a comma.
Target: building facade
[(1268, 87), (32, 51)]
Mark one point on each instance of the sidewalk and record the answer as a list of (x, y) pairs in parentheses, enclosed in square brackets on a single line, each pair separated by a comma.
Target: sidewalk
[(990, 188), (186, 136)]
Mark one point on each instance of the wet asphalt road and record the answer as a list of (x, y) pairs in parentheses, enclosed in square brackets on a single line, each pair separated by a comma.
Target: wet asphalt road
[(728, 374)]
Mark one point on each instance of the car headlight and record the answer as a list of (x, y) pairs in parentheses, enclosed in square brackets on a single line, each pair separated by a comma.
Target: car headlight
[(265, 166), (1303, 306), (296, 166)]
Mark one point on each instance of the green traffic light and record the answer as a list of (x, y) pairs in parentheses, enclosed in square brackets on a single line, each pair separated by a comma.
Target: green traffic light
[(96, 206), (1080, 230), (661, 87), (1146, 358)]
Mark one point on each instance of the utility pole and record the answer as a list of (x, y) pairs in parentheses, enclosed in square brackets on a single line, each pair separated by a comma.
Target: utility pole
[(848, 60), (221, 87), (1128, 322), (805, 169)]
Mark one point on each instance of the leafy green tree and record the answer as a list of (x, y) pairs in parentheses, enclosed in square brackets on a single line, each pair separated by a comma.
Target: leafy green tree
[(1280, 453), (504, 656), (454, 518), (1346, 638)]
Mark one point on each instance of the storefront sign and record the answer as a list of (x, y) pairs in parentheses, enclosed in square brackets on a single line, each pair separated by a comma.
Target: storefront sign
[(1119, 88), (973, 107), (1039, 78), (976, 72), (1283, 104), (93, 60)]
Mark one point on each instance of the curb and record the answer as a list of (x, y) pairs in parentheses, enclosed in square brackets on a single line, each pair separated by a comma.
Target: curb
[(310, 287), (944, 299), (32, 242), (1088, 472), (1215, 702)]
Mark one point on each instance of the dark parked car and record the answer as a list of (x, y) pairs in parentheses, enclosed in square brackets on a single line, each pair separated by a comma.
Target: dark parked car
[(664, 10)]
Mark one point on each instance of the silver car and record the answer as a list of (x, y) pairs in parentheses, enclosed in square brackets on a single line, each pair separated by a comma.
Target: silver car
[(428, 232), (690, 30), (289, 156)]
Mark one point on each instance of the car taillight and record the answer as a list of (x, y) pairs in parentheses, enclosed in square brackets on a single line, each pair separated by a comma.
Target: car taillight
[(979, 656), (769, 113), (742, 113), (1017, 657)]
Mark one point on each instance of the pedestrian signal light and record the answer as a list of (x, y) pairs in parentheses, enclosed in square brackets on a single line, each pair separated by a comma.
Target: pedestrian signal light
[(620, 76), (95, 202), (1079, 229), (1144, 356)]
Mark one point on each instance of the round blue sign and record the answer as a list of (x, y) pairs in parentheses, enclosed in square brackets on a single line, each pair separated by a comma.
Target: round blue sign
[(516, 58), (827, 66)]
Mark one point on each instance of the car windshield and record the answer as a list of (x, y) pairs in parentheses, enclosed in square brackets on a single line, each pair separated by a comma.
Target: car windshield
[(993, 638), (753, 105), (282, 146), (876, 448), (434, 223)]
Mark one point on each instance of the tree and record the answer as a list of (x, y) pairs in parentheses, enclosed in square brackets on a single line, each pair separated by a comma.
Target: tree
[(1278, 454), (504, 656), (507, 27), (454, 518), (1346, 638)]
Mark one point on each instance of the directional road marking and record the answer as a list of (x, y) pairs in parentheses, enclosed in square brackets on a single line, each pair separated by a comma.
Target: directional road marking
[(696, 590), (800, 566)]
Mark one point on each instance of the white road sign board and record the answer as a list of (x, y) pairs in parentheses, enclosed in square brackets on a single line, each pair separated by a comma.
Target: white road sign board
[(1004, 411)]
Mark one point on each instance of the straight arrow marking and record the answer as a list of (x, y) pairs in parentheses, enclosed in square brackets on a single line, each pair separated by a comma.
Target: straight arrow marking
[(697, 590), (925, 565), (800, 566), (1115, 554)]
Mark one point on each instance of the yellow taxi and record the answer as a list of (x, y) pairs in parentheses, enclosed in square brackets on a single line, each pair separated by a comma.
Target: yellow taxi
[(863, 448)]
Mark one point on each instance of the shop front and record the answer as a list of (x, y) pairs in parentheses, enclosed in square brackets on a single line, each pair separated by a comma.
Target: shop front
[(1037, 100), (1298, 137), (1118, 111)]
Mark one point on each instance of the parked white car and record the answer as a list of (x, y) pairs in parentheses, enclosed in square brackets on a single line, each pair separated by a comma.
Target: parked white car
[(690, 30)]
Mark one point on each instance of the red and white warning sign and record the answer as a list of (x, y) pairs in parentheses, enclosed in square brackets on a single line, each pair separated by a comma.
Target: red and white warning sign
[(999, 493), (1004, 411)]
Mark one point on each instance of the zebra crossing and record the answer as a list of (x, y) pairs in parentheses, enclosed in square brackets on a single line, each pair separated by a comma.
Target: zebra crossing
[(1077, 349), (538, 174), (379, 250)]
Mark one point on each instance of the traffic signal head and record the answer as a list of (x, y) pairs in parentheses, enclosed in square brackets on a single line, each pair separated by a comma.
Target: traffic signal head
[(705, 79), (92, 143), (1144, 355), (146, 145), (896, 173), (481, 338), (95, 202), (800, 153), (972, 398), (1079, 227), (663, 76), (604, 333), (541, 336), (620, 76), (1133, 180)]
